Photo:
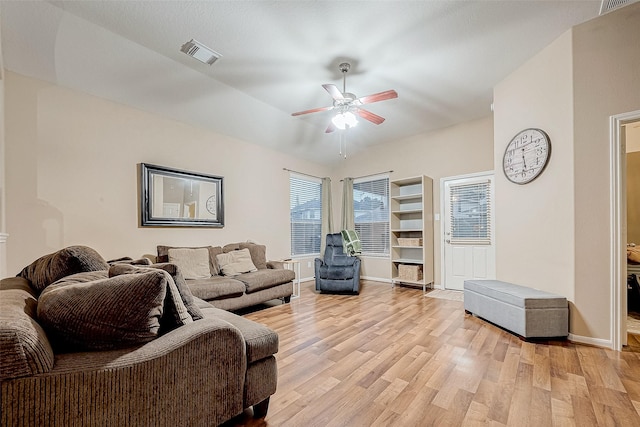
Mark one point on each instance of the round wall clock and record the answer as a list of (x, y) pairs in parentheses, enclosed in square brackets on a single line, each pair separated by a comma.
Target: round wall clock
[(526, 156), (211, 204)]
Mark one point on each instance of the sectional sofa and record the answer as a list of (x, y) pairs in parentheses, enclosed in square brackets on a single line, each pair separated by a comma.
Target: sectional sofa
[(83, 342)]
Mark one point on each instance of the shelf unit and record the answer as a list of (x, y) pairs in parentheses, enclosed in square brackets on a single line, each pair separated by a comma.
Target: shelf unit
[(412, 218)]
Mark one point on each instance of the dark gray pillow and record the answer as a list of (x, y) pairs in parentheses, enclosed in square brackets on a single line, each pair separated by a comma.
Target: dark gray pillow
[(103, 314), (129, 260), (65, 262), (175, 312), (183, 288)]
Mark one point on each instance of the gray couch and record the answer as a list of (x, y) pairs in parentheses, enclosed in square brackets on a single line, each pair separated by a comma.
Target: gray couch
[(270, 281), (202, 372)]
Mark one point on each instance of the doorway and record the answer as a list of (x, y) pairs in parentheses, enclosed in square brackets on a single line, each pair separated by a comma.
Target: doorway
[(468, 247), (621, 127)]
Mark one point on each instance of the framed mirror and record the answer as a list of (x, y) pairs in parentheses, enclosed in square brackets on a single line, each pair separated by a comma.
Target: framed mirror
[(176, 198)]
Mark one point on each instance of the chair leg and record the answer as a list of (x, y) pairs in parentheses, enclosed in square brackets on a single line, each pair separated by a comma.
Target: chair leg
[(260, 409)]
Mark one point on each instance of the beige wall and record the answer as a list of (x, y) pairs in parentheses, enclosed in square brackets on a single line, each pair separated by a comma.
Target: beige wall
[(456, 150), (554, 233), (71, 177), (606, 65), (534, 222)]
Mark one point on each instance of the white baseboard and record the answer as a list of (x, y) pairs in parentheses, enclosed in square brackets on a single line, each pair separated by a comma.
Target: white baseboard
[(375, 279), (598, 342)]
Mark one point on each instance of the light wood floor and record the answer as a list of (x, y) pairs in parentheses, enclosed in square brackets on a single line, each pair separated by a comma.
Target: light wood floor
[(391, 357)]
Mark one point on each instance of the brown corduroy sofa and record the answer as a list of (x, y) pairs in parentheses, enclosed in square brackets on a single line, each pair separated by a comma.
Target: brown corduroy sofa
[(270, 280), (202, 373)]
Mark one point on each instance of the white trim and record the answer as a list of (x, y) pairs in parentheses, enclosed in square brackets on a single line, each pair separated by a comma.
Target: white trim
[(384, 175), (3, 237), (443, 181), (375, 279), (598, 342), (618, 321)]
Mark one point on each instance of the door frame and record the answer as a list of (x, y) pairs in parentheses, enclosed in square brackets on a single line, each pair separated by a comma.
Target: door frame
[(618, 225), (443, 213)]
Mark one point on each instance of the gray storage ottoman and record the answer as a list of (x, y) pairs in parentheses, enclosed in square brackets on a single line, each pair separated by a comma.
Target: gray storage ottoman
[(527, 312)]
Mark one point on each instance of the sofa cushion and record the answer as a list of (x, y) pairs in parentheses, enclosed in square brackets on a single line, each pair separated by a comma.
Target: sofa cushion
[(264, 279), (104, 314), (163, 255), (194, 263), (175, 311), (216, 287), (235, 262), (261, 341), (24, 346), (65, 262)]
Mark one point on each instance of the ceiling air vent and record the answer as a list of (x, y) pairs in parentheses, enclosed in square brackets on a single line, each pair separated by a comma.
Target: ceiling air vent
[(609, 5), (200, 52)]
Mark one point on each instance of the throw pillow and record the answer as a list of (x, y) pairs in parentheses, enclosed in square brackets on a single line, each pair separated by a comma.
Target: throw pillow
[(163, 256), (129, 260), (182, 287), (194, 263), (258, 254), (104, 314), (236, 262), (175, 312), (65, 262)]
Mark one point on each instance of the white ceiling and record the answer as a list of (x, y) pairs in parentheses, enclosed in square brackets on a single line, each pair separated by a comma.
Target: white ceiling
[(442, 57)]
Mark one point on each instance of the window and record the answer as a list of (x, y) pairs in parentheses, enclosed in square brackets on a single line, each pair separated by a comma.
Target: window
[(471, 213), (371, 214), (305, 203)]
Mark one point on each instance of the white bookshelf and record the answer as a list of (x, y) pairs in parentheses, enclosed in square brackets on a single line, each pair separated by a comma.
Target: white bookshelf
[(412, 218)]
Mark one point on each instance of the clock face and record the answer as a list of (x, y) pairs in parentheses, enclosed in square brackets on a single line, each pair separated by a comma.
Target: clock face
[(211, 204), (526, 156)]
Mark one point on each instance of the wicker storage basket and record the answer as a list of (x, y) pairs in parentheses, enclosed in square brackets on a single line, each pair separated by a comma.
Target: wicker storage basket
[(409, 241), (410, 272)]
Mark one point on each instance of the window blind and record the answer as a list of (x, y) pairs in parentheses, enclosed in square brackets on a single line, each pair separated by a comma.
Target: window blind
[(305, 204), (470, 208), (371, 214)]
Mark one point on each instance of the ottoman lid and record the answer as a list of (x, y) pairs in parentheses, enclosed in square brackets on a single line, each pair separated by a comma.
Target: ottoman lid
[(520, 296)]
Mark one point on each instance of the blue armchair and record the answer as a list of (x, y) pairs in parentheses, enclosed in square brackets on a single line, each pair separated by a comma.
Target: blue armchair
[(337, 272)]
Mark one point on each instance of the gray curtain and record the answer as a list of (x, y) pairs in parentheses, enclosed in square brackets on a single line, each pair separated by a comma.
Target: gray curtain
[(327, 214), (347, 204)]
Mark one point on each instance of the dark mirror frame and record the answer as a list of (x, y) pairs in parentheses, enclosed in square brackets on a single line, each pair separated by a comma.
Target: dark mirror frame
[(147, 202)]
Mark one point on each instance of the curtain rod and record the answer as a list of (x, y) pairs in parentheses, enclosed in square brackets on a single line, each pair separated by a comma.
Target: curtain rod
[(371, 174), (301, 173)]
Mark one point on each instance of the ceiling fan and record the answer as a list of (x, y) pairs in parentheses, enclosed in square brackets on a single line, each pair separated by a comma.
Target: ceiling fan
[(347, 104)]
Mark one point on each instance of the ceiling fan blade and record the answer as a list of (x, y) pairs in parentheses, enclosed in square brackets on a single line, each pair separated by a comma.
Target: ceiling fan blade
[(333, 91), (331, 128), (368, 115), (387, 94), (314, 110)]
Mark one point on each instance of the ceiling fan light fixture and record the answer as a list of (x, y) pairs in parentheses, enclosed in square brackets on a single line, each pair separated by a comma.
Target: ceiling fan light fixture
[(342, 120), (200, 52)]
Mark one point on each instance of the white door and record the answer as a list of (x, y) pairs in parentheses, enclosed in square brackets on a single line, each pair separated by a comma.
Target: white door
[(468, 228)]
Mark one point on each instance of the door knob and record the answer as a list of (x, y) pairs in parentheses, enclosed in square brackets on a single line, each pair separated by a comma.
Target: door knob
[(448, 241)]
